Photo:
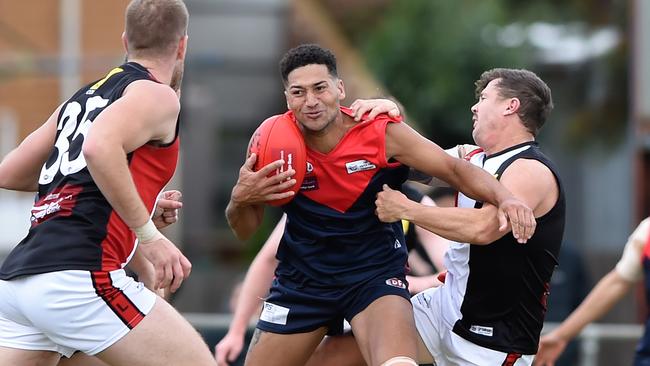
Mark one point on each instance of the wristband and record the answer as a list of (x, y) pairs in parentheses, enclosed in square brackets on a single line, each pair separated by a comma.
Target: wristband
[(147, 232)]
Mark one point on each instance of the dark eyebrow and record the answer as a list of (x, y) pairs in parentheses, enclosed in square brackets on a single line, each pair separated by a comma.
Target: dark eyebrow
[(291, 87)]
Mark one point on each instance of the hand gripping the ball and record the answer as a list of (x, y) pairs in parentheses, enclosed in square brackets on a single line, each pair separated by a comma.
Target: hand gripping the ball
[(279, 138), (255, 187)]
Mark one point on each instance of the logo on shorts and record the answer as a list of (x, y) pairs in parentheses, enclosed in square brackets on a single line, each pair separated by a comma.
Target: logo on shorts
[(481, 330), (396, 282), (275, 314)]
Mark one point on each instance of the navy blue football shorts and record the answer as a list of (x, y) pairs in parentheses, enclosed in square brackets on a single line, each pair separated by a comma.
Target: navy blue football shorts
[(293, 307)]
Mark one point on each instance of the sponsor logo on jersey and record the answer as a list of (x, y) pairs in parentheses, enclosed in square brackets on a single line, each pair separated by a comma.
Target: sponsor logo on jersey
[(396, 282), (359, 166), (275, 314), (309, 184), (481, 330), (57, 203), (424, 299)]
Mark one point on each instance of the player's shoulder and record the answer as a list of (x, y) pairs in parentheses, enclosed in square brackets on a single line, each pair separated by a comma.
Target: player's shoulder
[(643, 229), (531, 171), (152, 94), (533, 166)]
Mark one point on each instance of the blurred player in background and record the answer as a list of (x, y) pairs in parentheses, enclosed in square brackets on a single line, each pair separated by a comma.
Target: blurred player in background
[(98, 164), (631, 268)]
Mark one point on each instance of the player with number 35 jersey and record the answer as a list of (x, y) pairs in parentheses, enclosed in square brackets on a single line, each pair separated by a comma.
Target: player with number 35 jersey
[(67, 194)]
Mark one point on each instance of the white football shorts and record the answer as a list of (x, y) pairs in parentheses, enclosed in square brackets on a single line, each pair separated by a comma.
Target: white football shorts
[(448, 348), (70, 311)]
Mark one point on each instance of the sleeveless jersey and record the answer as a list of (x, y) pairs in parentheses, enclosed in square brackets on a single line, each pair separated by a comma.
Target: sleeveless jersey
[(73, 227), (497, 292), (332, 235)]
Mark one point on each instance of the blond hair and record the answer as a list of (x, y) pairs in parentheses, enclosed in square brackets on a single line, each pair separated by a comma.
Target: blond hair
[(154, 27)]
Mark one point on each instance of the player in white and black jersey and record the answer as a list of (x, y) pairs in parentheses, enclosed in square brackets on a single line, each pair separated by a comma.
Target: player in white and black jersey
[(490, 311)]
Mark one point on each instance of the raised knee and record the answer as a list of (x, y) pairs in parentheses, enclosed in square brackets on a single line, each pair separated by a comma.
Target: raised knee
[(400, 361)]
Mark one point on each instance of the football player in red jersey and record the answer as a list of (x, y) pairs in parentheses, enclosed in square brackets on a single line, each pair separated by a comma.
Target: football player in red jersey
[(336, 260), (98, 164)]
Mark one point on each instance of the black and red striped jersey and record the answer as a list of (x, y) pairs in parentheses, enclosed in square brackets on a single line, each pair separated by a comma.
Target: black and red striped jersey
[(73, 227)]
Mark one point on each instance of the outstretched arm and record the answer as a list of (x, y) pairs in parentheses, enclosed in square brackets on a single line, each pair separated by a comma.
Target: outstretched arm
[(19, 170), (254, 289), (609, 290), (465, 225), (407, 146)]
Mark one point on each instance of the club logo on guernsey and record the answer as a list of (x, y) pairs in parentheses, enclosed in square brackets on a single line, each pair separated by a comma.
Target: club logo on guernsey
[(396, 282), (309, 183), (359, 166)]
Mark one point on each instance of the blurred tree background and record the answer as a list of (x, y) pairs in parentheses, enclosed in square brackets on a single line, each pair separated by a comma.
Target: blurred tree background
[(429, 53)]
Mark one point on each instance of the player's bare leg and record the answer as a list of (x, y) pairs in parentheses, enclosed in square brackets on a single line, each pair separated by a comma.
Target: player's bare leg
[(271, 349), (337, 351), (386, 330), (163, 337), (424, 356), (21, 357)]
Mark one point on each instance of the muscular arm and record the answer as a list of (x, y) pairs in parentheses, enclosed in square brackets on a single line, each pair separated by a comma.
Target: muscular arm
[(531, 182), (410, 148), (255, 287), (146, 112), (19, 170), (407, 146), (607, 292), (464, 225)]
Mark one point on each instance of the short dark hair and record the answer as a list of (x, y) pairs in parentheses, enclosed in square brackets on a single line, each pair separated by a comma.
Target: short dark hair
[(307, 54), (154, 27), (534, 95)]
